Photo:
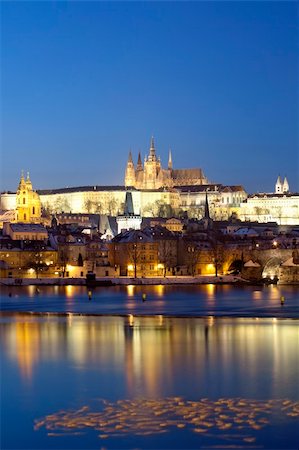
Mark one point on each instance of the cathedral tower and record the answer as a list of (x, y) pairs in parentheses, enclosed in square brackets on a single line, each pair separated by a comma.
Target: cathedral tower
[(130, 172), (28, 208)]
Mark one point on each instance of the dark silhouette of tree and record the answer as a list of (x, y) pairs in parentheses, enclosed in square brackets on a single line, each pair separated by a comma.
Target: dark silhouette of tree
[(80, 260)]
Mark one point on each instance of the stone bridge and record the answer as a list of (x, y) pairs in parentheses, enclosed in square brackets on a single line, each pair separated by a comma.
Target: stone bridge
[(268, 262)]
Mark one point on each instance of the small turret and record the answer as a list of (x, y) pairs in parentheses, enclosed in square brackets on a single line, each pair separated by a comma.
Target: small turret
[(285, 186), (28, 181), (22, 183)]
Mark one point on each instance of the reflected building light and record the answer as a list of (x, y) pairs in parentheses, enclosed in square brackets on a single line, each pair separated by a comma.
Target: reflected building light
[(69, 319), (130, 290), (69, 291), (211, 291), (159, 288), (274, 292), (257, 295), (211, 321), (131, 320), (31, 290), (27, 347), (160, 320)]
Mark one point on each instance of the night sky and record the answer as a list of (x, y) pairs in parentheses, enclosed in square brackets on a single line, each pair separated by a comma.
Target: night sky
[(83, 82)]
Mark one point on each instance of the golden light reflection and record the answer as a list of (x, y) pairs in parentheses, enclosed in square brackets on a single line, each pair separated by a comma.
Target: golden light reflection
[(131, 320), (211, 291), (242, 417), (159, 290), (27, 346), (69, 291), (211, 321), (31, 290), (257, 295), (130, 290)]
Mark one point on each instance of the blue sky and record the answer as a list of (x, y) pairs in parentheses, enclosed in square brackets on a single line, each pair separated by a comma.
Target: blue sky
[(83, 82)]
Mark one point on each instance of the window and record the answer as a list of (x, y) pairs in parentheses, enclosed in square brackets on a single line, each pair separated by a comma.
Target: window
[(24, 200), (33, 210), (24, 216)]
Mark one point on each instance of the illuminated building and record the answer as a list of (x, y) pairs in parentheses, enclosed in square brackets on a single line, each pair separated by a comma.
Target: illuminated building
[(281, 207), (151, 175), (28, 205)]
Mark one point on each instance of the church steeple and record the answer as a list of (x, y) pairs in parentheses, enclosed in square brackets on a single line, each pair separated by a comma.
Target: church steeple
[(130, 159), (22, 183), (152, 153), (170, 160), (207, 211)]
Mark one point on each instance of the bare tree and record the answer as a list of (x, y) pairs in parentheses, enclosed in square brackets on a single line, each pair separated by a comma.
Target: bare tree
[(134, 255), (166, 254), (63, 259)]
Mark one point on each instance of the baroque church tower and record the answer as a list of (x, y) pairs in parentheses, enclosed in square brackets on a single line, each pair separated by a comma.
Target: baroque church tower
[(28, 207)]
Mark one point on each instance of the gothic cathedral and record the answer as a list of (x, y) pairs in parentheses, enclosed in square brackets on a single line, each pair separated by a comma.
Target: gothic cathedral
[(151, 175)]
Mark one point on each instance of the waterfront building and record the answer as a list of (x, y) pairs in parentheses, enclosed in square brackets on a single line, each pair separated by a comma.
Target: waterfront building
[(25, 231), (27, 259)]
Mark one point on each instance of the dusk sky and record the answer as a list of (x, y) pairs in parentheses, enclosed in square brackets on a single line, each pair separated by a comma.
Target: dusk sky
[(83, 82)]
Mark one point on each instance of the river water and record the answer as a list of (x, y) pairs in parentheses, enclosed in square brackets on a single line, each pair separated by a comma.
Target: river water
[(147, 378), (187, 300)]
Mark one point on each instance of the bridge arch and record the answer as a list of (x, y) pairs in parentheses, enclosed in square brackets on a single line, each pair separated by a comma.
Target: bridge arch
[(271, 268)]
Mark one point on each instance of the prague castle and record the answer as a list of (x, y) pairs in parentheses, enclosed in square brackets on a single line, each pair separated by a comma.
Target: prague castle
[(151, 175)]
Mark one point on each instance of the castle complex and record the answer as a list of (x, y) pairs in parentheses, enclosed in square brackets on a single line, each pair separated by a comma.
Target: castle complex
[(152, 175), (154, 192)]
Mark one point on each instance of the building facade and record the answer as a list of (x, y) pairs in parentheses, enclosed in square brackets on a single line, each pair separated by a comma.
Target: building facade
[(281, 206)]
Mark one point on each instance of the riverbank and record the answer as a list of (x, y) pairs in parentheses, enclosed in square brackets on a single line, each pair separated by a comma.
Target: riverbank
[(106, 281)]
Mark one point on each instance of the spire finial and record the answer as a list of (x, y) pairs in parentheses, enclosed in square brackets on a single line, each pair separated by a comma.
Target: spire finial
[(28, 178), (170, 160), (152, 142), (152, 153)]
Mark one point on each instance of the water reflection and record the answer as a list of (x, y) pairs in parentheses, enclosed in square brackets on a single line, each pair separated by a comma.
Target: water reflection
[(231, 420), (151, 350)]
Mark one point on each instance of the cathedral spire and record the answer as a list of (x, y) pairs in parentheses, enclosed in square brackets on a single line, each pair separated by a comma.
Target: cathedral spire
[(130, 159), (139, 162), (152, 153), (170, 160)]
